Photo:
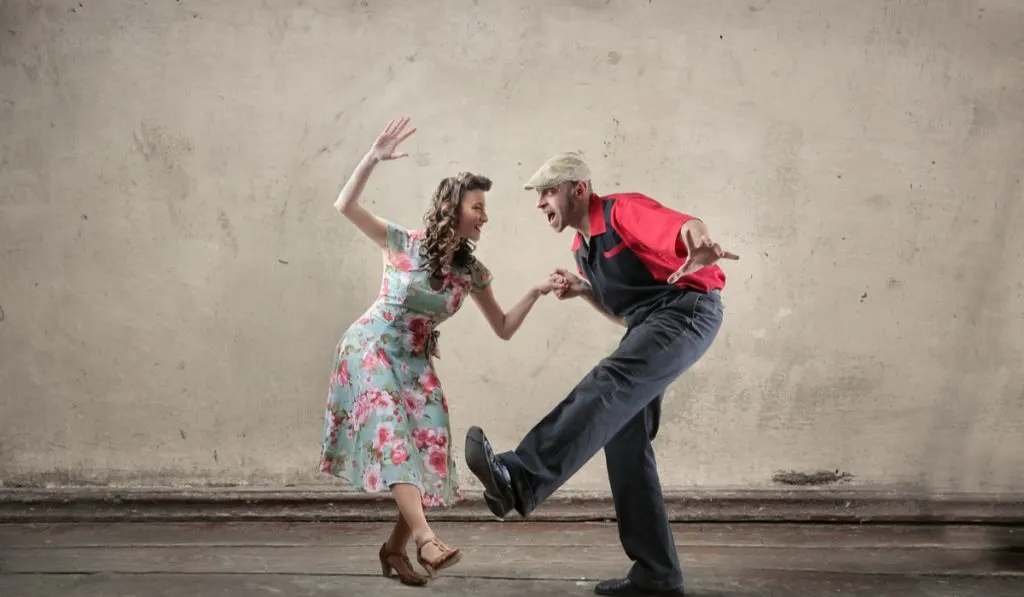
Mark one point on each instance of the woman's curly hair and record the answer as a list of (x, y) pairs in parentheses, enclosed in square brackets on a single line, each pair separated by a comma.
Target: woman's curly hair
[(442, 219)]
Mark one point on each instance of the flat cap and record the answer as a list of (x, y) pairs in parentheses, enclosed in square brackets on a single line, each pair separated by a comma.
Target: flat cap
[(564, 167)]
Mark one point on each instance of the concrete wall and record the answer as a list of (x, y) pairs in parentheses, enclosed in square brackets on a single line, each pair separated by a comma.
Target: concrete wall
[(173, 278)]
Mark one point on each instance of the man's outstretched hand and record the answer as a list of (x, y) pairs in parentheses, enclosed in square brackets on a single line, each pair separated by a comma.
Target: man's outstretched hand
[(700, 253)]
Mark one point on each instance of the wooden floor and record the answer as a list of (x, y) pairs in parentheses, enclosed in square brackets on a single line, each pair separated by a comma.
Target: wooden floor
[(534, 559)]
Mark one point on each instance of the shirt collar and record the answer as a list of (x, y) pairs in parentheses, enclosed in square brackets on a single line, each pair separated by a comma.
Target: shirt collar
[(597, 225)]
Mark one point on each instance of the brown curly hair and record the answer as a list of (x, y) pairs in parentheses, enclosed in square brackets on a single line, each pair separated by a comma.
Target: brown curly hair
[(442, 219)]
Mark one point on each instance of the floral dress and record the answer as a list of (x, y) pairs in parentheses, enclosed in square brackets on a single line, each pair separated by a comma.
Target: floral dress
[(387, 418)]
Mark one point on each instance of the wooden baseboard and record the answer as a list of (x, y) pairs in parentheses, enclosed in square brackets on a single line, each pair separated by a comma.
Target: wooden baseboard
[(91, 504)]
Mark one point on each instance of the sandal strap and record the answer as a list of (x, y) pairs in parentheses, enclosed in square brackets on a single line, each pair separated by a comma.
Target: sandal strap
[(387, 553), (436, 543)]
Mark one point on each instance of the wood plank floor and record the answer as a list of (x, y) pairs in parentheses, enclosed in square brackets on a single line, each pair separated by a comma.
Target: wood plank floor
[(501, 560)]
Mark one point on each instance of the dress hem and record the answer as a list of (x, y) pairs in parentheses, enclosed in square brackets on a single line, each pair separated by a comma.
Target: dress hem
[(459, 497)]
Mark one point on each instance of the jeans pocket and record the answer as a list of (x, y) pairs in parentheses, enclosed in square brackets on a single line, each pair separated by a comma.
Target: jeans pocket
[(707, 306)]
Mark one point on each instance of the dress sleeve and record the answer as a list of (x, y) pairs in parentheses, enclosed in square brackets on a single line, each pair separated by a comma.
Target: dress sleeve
[(480, 276), (398, 247)]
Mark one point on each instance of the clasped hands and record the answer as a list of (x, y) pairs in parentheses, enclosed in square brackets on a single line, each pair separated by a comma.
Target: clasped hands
[(564, 284)]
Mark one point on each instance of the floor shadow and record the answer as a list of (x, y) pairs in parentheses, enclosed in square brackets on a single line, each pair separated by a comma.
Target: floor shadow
[(1007, 553)]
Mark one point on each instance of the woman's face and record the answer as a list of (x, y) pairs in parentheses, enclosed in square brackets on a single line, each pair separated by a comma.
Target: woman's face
[(472, 216)]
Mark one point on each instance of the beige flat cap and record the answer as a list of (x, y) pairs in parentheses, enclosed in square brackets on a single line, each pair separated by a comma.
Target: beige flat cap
[(564, 167)]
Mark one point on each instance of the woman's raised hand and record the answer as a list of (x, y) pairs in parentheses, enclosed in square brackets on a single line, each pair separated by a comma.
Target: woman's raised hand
[(386, 146)]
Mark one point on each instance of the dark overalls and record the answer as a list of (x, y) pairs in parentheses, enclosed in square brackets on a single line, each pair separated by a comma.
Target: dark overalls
[(617, 405)]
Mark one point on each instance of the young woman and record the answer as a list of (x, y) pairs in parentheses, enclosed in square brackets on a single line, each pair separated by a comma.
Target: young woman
[(386, 424)]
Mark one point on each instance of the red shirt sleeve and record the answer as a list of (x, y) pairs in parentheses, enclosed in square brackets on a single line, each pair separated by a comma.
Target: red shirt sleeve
[(650, 228), (651, 231)]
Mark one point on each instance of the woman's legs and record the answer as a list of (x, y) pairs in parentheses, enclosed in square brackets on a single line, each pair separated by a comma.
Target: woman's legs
[(434, 553), (394, 555), (400, 535), (408, 498)]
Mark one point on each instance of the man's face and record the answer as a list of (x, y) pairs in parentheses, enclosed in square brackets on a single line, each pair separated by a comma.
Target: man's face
[(560, 205)]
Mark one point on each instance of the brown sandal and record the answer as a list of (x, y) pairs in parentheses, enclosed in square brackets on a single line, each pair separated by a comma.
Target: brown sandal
[(399, 563), (448, 558)]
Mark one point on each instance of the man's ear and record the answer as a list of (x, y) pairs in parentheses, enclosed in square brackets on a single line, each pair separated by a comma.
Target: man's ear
[(581, 189)]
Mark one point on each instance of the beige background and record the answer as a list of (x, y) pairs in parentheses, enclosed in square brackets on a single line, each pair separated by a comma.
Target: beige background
[(173, 278)]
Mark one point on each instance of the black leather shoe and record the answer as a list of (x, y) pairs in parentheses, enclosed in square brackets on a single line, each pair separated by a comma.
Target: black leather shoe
[(623, 587), (482, 463)]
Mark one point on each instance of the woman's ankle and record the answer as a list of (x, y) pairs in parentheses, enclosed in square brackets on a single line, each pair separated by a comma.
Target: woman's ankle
[(422, 537), (396, 545)]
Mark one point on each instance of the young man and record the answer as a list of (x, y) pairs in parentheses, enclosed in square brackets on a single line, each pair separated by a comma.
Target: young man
[(652, 270)]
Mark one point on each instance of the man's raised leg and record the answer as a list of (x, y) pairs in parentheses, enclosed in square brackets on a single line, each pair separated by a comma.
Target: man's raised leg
[(651, 356)]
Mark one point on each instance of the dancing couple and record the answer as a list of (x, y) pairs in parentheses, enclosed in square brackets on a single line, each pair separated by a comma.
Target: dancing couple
[(386, 428)]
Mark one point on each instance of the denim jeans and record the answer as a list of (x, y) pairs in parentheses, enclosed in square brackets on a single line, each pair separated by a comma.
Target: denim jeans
[(617, 406)]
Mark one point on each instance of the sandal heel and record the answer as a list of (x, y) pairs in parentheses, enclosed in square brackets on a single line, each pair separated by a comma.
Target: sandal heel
[(406, 574)]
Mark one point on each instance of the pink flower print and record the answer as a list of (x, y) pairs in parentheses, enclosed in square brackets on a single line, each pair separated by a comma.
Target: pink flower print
[(398, 453), (454, 300), (374, 358), (370, 360), (361, 409), (400, 260), (417, 234), (405, 368), (326, 462), (387, 315), (420, 330), (381, 401), (343, 372), (384, 287), (432, 500), (415, 402), (383, 437), (429, 381), (371, 478), (333, 424), (437, 461), (430, 437)]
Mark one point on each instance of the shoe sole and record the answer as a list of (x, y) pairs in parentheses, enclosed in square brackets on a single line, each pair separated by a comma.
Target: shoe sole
[(637, 593), (476, 460)]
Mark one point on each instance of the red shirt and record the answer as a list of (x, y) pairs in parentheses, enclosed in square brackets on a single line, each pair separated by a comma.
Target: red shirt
[(651, 231)]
